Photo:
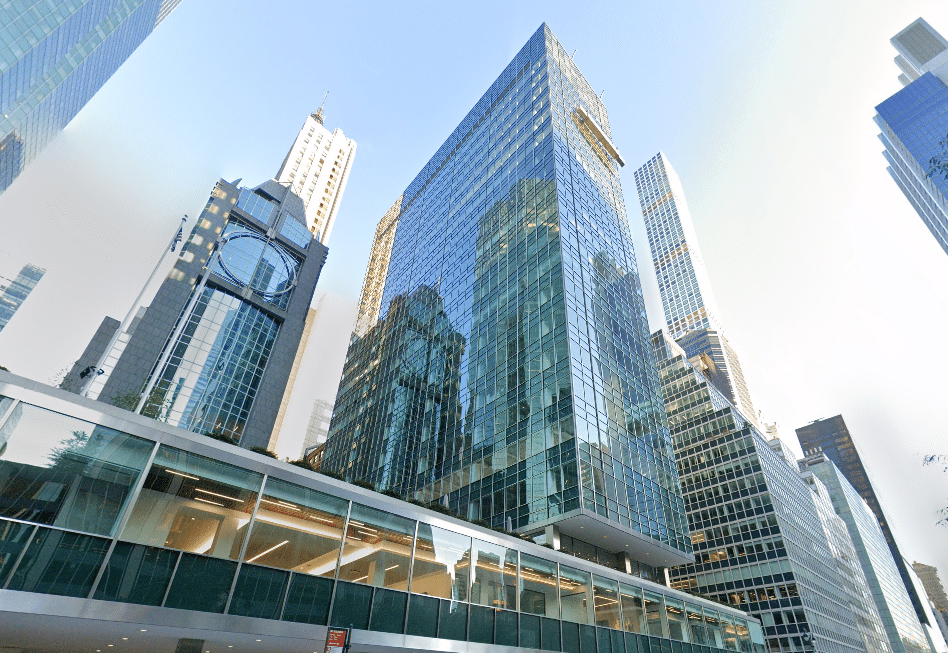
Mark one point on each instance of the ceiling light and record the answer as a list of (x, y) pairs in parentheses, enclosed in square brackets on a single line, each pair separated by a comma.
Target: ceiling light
[(143, 630)]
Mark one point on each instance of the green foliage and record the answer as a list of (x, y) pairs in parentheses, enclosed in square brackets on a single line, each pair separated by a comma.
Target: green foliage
[(222, 437), (368, 485), (439, 507), (393, 494), (263, 451), (940, 460), (125, 401), (938, 164), (331, 474), (4, 368), (302, 462)]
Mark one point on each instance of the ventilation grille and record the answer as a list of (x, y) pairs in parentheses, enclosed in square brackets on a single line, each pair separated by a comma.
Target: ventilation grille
[(921, 43)]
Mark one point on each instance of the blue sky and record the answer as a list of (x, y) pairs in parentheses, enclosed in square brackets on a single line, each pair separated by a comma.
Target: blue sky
[(830, 287)]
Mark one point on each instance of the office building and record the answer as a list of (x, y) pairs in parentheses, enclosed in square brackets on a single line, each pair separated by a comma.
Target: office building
[(53, 58), (930, 624), (152, 539), (763, 540), (13, 292), (928, 576), (691, 313), (213, 351), (508, 375), (914, 125), (831, 437), (317, 168), (902, 627), (370, 302)]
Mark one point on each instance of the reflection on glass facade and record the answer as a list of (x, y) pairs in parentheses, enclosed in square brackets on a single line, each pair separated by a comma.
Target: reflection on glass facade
[(898, 617), (914, 128), (14, 293), (212, 536), (53, 59), (509, 375), (763, 542), (209, 381)]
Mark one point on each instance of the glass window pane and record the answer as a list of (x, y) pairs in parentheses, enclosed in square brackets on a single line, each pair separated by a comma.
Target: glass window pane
[(193, 503), (388, 611), (713, 623), (495, 576), (604, 640), (442, 563), (423, 616), (505, 632), (259, 592), (587, 639), (13, 537), (308, 600), (550, 631), (570, 637), (350, 608), (538, 587), (66, 472), (201, 583), (377, 549), (136, 574), (452, 620), (633, 613), (606, 597), (297, 529), (60, 563), (482, 624), (696, 626), (529, 631), (675, 612), (730, 634), (653, 614), (631, 643), (576, 595), (743, 634), (618, 643)]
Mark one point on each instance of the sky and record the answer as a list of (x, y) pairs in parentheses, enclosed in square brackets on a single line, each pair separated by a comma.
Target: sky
[(830, 287)]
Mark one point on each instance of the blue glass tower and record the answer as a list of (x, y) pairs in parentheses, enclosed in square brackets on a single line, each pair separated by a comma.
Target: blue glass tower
[(54, 56), (13, 294), (509, 375), (914, 125)]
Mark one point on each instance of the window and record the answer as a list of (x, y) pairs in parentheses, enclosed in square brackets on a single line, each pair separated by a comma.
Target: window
[(538, 594), (442, 563), (377, 550)]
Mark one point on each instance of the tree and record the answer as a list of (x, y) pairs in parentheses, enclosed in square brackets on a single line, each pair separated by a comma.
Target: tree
[(942, 461), (938, 164)]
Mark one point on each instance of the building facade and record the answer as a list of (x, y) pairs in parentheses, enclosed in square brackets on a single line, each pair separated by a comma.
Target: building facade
[(213, 351), (928, 575), (831, 437), (317, 168), (914, 125), (151, 539), (53, 58), (902, 627), (763, 540), (509, 375), (691, 313), (15, 291)]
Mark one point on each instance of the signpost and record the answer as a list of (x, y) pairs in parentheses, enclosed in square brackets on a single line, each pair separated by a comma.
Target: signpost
[(337, 640)]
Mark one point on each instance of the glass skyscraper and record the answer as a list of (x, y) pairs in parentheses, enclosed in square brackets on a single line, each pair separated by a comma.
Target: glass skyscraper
[(691, 313), (763, 540), (509, 374), (831, 437), (897, 615), (14, 293), (54, 56), (914, 125)]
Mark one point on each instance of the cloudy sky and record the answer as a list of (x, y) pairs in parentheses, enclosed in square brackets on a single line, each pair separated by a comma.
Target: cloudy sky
[(830, 287)]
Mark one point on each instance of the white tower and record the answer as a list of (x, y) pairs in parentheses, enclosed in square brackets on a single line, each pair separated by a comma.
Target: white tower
[(317, 168)]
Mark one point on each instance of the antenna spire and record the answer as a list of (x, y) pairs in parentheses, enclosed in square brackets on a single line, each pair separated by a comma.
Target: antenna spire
[(319, 112)]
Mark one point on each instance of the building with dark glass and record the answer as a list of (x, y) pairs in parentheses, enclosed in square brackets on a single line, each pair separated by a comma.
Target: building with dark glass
[(124, 534), (213, 351), (830, 436), (54, 56), (508, 374), (13, 292), (763, 540), (914, 125), (902, 627)]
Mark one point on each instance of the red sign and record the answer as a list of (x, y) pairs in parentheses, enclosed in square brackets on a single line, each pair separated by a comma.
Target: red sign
[(336, 639)]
